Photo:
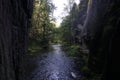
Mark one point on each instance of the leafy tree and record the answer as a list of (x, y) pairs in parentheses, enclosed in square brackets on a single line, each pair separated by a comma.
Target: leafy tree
[(41, 29)]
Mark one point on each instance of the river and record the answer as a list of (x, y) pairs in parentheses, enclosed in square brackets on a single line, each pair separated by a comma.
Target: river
[(54, 65)]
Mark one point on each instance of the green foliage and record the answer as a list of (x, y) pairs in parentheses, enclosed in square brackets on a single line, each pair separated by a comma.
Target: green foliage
[(42, 26), (55, 36), (73, 50), (68, 26), (65, 29)]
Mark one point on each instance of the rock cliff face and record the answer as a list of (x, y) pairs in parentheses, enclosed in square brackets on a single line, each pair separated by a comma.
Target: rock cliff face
[(103, 26), (14, 23), (79, 20)]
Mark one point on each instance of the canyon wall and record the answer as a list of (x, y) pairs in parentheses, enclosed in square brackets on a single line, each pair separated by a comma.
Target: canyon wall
[(15, 18)]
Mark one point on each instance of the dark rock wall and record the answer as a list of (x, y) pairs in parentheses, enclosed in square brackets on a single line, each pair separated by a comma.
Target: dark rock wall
[(82, 11), (95, 24), (14, 23), (79, 20), (103, 28)]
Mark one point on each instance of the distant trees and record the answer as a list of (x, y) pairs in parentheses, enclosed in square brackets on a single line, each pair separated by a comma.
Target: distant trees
[(72, 24)]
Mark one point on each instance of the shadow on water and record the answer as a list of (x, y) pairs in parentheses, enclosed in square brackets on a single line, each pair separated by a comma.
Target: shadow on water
[(53, 65)]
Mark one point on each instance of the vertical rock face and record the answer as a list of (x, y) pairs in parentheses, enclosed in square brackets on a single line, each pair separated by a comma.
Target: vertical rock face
[(14, 23), (80, 19), (103, 26), (83, 11), (95, 22)]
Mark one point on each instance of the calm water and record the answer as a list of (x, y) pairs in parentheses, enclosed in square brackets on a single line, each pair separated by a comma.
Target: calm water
[(54, 65)]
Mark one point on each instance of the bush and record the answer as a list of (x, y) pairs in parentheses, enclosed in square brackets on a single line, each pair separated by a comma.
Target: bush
[(72, 50)]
